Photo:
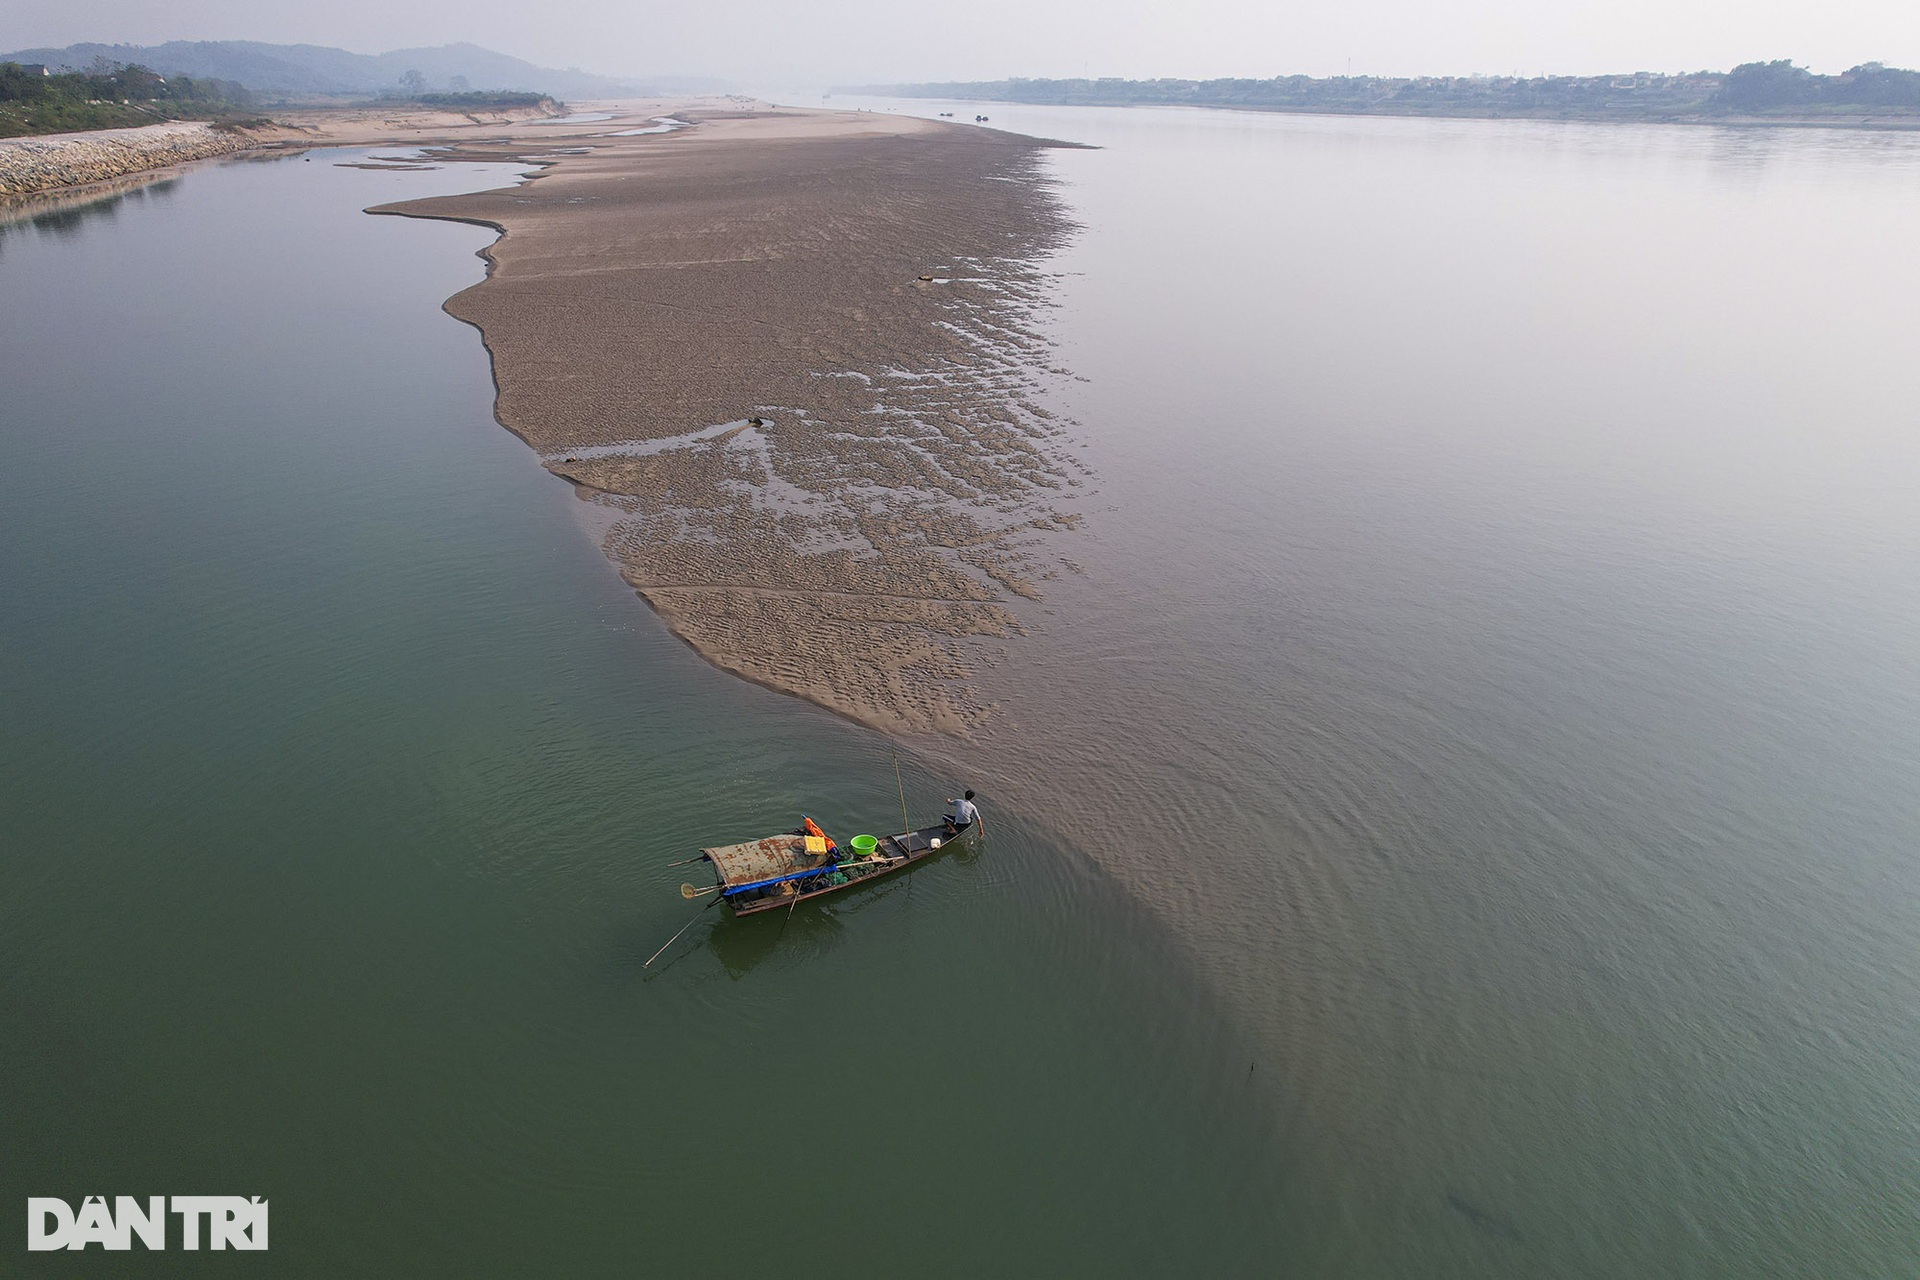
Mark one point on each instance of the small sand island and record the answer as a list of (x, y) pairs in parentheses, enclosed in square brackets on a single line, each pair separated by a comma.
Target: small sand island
[(793, 357)]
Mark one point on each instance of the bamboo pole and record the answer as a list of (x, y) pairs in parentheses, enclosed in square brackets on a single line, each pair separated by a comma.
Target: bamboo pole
[(676, 937), (906, 824)]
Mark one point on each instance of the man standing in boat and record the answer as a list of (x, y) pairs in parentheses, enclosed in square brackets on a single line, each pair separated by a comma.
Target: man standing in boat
[(963, 815)]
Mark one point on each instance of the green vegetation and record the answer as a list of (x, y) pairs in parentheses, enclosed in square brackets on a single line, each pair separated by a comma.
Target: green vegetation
[(459, 97), (108, 96), (1766, 87), (1756, 89), (486, 101)]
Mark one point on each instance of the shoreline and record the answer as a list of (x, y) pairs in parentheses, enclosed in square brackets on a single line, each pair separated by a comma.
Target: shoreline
[(73, 163), (62, 163), (1885, 124), (793, 356)]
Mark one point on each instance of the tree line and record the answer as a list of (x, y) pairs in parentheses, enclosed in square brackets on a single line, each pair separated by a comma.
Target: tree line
[(108, 96), (1769, 86), (461, 96), (1754, 88)]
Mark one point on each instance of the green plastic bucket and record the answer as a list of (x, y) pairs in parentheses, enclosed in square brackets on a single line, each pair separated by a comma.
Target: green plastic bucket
[(863, 845)]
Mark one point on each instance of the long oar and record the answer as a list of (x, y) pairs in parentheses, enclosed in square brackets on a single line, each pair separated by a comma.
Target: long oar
[(684, 862), (676, 937)]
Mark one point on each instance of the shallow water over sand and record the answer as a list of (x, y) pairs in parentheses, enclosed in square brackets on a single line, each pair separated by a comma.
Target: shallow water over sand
[(1499, 639)]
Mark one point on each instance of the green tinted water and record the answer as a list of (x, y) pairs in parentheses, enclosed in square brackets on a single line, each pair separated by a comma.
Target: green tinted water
[(341, 776), (1497, 640)]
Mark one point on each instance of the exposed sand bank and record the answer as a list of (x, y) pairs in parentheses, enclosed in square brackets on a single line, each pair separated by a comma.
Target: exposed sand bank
[(394, 123), (793, 354)]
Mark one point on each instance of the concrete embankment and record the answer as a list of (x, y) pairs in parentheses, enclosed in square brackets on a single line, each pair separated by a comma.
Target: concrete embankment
[(71, 159)]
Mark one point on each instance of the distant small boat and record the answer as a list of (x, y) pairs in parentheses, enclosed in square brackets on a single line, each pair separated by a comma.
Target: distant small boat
[(778, 871)]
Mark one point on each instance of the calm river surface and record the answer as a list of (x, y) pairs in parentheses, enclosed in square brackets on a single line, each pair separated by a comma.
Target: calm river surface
[(1496, 650), (1500, 639)]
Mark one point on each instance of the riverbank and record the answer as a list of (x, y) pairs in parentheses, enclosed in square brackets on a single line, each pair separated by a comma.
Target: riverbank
[(29, 166), (1892, 121), (61, 161), (1869, 96), (791, 357)]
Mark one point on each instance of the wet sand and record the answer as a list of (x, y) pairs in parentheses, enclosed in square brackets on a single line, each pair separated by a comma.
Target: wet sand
[(793, 357)]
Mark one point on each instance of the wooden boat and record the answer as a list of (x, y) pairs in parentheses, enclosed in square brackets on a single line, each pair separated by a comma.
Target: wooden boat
[(777, 871)]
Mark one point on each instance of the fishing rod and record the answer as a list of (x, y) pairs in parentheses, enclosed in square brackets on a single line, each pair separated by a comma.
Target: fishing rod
[(906, 823), (676, 937)]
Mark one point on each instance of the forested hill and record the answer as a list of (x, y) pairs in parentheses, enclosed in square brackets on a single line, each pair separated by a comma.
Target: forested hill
[(1867, 93)]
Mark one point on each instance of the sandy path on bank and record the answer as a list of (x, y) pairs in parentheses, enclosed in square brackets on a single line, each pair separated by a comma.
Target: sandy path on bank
[(794, 355)]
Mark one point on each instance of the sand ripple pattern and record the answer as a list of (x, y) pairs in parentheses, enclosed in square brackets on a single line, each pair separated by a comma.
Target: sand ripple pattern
[(798, 357)]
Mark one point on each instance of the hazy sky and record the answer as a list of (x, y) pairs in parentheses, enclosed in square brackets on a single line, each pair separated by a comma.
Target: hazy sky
[(791, 43)]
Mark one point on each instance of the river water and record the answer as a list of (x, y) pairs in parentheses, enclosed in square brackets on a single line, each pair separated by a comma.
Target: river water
[(1499, 643), (1458, 823)]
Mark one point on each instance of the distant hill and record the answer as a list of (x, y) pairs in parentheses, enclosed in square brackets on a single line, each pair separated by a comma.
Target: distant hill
[(306, 70)]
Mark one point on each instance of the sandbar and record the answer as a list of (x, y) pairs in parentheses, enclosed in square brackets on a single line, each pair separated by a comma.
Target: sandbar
[(796, 358)]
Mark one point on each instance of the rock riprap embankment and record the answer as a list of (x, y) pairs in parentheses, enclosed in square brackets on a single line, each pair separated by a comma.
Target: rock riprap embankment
[(72, 159)]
